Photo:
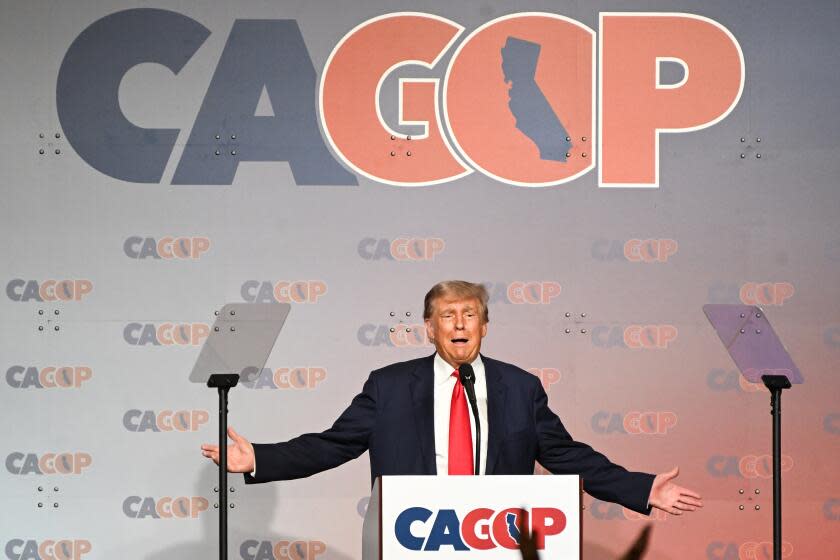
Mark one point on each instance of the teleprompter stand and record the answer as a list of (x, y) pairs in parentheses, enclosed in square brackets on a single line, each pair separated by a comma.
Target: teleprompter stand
[(761, 357), (777, 383), (239, 344), (223, 382)]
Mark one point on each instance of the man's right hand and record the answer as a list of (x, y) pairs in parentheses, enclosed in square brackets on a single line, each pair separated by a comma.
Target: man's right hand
[(240, 455)]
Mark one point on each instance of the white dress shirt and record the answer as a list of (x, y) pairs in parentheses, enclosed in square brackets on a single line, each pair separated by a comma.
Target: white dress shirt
[(444, 384)]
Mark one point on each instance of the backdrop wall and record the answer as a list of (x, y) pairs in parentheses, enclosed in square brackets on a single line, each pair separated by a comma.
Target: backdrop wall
[(162, 159)]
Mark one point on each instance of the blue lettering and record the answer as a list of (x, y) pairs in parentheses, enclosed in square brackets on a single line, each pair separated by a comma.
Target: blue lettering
[(87, 90), (402, 527), (445, 532), (270, 56)]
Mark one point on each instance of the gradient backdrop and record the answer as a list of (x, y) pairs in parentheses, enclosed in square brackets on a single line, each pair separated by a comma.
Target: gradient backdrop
[(124, 230)]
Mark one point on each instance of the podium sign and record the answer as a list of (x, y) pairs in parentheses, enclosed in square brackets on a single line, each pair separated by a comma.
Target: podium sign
[(464, 517)]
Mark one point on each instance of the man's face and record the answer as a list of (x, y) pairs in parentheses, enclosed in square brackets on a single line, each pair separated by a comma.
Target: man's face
[(456, 329)]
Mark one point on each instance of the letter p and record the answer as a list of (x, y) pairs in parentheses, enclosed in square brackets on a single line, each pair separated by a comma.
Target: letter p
[(200, 245), (633, 45), (666, 421), (317, 288), (81, 288), (80, 547), (544, 522), (197, 505), (81, 461), (550, 290)]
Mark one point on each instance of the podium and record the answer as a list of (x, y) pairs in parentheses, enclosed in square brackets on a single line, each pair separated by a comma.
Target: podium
[(472, 517)]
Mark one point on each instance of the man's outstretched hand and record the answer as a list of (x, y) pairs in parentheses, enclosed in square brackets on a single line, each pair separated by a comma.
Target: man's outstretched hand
[(667, 496), (240, 455)]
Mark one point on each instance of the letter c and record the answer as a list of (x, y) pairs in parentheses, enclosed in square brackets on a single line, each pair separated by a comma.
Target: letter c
[(87, 89), (402, 527)]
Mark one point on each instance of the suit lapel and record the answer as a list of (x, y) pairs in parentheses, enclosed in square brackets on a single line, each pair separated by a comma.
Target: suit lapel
[(423, 399), (496, 402)]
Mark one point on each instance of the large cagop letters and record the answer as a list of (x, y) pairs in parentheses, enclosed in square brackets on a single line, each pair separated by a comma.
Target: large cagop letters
[(260, 55), (635, 107), (350, 86), (88, 87), (519, 99)]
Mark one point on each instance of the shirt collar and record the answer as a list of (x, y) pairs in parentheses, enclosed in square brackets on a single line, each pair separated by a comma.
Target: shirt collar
[(443, 371)]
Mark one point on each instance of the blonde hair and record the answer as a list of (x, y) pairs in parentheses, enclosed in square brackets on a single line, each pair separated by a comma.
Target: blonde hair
[(459, 289)]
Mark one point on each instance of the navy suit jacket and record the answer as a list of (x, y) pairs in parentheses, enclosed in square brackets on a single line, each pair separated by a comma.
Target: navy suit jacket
[(393, 418)]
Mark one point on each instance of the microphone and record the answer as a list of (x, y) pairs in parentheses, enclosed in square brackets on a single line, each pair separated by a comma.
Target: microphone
[(467, 377)]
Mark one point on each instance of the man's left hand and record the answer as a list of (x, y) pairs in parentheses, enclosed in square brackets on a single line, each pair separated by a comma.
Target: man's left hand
[(667, 496)]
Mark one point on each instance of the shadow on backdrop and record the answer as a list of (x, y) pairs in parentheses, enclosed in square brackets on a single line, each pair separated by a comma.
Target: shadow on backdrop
[(258, 528)]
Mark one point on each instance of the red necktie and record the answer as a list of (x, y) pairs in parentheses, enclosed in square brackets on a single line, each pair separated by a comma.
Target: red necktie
[(460, 434)]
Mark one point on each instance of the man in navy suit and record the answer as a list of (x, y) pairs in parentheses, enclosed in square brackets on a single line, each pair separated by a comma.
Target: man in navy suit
[(402, 417)]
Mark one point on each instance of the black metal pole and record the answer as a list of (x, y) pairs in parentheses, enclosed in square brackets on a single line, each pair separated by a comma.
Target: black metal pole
[(776, 411), (776, 383), (223, 513), (223, 382), (474, 407)]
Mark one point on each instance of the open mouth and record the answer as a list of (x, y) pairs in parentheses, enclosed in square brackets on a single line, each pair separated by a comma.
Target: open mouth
[(459, 341)]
